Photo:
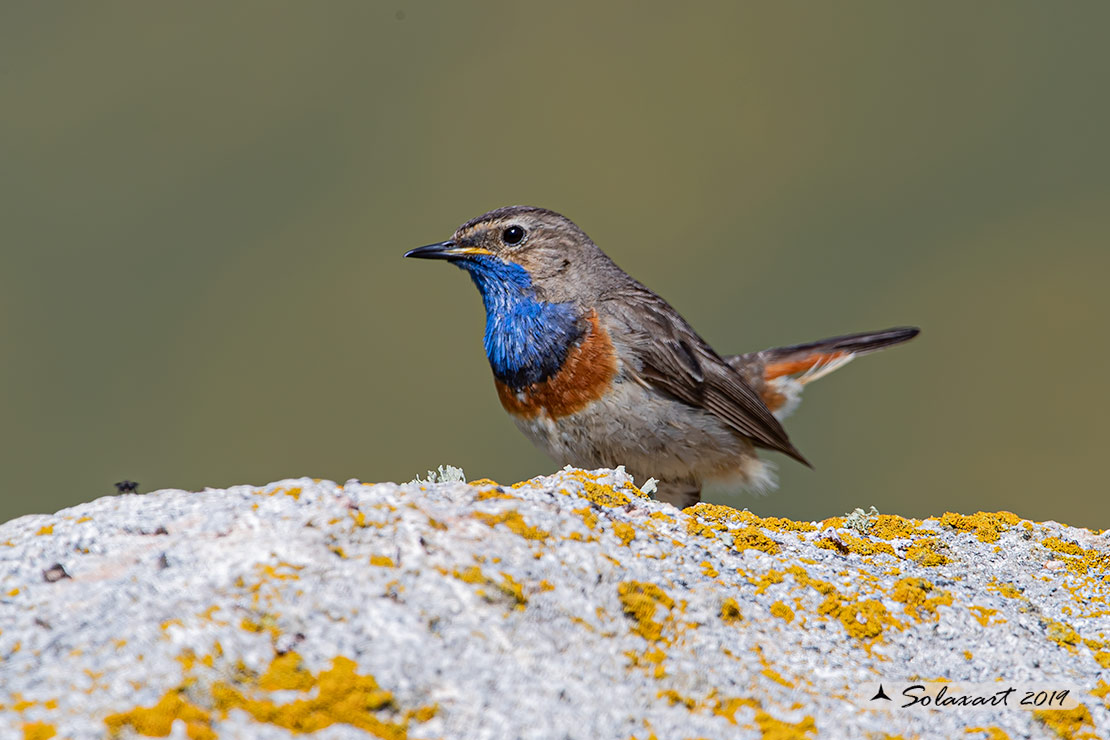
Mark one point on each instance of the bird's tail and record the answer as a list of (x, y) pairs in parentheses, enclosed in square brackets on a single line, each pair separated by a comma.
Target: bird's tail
[(780, 374)]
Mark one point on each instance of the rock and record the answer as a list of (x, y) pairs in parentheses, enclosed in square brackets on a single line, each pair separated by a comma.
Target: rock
[(567, 606)]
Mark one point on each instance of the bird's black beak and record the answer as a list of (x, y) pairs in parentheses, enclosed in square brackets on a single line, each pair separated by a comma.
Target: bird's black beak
[(441, 251), (447, 250)]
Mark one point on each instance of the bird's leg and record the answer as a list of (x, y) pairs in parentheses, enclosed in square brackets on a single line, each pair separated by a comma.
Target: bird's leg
[(678, 493)]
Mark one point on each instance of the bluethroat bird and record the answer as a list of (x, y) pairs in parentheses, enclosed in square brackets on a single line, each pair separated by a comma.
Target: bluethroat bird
[(599, 371)]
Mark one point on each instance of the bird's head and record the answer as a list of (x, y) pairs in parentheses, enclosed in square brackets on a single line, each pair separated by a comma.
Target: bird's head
[(522, 248), (538, 274)]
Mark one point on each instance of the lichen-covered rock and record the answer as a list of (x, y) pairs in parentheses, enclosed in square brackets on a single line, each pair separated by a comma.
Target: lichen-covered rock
[(567, 606)]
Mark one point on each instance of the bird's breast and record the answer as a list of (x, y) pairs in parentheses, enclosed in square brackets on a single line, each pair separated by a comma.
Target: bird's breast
[(584, 376)]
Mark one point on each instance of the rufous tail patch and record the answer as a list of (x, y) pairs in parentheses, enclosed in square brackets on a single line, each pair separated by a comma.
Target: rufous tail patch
[(793, 367)]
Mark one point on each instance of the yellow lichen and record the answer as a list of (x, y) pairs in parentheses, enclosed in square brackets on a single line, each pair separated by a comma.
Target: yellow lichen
[(382, 561), (728, 707), (1078, 560), (650, 661), (209, 613), (48, 529), (602, 495), (673, 698), (250, 625), (859, 545), (38, 731), (513, 589), (708, 569), (1062, 546), (730, 611), (992, 733), (157, 721), (721, 518), (891, 527), (782, 611), (926, 552), (983, 614), (491, 493), (1062, 634), (515, 522), (271, 572), (750, 538), (769, 670), (473, 574), (589, 516), (286, 672), (706, 520), (986, 526), (918, 598), (696, 529), (624, 532), (640, 601), (339, 695), (864, 620), (1009, 590), (785, 525), (800, 576), (768, 579), (1101, 690), (509, 586), (776, 729), (1068, 723), (294, 492)]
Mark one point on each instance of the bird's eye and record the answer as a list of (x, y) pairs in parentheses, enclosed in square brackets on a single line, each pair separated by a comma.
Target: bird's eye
[(513, 235)]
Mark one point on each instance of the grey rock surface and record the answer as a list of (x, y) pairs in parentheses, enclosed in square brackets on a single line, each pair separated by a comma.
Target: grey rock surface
[(569, 606)]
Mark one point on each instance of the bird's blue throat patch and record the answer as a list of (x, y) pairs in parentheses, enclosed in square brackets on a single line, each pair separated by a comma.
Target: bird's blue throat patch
[(526, 339)]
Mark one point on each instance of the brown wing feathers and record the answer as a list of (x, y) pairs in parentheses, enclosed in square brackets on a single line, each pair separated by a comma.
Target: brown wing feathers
[(676, 360)]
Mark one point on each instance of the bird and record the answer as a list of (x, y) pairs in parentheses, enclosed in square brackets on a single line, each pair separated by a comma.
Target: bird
[(599, 371)]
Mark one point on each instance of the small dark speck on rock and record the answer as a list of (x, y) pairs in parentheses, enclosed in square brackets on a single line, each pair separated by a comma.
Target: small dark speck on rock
[(286, 643), (55, 572), (163, 562)]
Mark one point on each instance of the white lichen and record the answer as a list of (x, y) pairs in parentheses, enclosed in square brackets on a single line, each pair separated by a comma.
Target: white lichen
[(861, 520), (444, 474)]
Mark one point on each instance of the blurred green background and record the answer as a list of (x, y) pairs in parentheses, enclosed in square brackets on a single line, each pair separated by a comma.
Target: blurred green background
[(203, 209)]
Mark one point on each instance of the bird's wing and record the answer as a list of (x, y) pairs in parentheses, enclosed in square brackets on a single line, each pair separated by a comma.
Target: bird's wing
[(673, 358)]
